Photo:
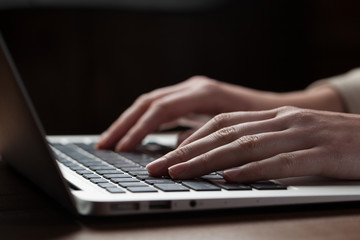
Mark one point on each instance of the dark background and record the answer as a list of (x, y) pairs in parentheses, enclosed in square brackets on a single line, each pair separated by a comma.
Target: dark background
[(84, 66)]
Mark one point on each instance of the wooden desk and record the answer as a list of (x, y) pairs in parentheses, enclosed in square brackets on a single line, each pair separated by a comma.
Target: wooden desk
[(26, 213)]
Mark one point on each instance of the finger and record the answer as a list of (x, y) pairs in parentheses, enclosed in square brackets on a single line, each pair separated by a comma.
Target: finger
[(119, 128), (164, 110), (244, 150), (192, 120), (221, 137), (184, 135), (228, 119), (308, 162)]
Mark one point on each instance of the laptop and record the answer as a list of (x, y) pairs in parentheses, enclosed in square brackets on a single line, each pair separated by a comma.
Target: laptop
[(94, 182)]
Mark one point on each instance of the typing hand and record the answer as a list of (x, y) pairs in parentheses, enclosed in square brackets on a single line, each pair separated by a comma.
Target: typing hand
[(272, 144), (151, 111)]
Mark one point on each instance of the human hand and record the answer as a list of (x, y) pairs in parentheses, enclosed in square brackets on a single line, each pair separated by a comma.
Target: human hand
[(151, 111), (202, 95), (271, 144)]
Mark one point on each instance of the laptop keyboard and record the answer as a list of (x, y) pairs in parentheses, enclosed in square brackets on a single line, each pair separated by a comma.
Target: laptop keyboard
[(125, 171)]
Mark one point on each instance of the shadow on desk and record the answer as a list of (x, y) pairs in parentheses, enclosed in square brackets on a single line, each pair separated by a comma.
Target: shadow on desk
[(26, 213)]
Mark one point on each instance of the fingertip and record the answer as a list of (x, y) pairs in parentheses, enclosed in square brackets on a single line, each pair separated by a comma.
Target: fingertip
[(235, 175), (102, 141), (229, 175), (157, 168), (123, 145), (179, 171)]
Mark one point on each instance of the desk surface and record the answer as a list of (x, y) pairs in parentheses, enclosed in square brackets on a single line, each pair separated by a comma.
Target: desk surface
[(26, 213)]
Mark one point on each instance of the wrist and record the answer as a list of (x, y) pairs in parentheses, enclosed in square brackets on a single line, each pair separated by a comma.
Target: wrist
[(320, 98)]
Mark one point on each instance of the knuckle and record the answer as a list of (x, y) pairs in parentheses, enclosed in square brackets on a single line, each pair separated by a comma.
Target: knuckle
[(160, 106), (286, 109), (219, 121), (203, 83), (179, 155), (225, 134), (143, 99), (248, 142), (288, 162), (296, 116), (205, 161), (198, 79)]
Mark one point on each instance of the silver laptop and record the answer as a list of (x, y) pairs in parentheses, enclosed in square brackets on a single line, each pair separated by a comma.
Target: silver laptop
[(103, 183)]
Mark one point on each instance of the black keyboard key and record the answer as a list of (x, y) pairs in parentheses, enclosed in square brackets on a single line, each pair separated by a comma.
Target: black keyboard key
[(91, 175), (144, 177), (127, 179), (115, 190), (107, 185), (173, 187), (138, 173), (231, 186), (146, 189), (159, 180), (211, 177), (111, 171), (89, 163), (200, 185), (267, 185), (132, 184), (101, 167), (76, 167), (98, 180), (132, 168), (116, 175), (82, 172)]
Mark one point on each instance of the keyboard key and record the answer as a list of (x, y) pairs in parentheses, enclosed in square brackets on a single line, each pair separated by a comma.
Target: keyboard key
[(200, 185), (127, 179), (132, 168), (101, 167), (115, 190), (172, 187), (212, 177), (116, 175), (107, 185), (98, 180), (144, 177), (160, 180), (146, 189), (91, 175), (82, 172), (132, 184), (137, 173), (113, 171), (267, 185), (231, 186)]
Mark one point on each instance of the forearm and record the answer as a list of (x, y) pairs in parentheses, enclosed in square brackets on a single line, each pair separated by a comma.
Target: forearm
[(323, 97), (319, 98)]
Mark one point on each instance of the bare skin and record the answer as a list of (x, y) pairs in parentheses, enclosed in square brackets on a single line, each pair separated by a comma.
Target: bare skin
[(272, 144), (251, 136)]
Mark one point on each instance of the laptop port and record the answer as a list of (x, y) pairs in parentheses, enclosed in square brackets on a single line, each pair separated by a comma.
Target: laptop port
[(158, 205), (125, 206)]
